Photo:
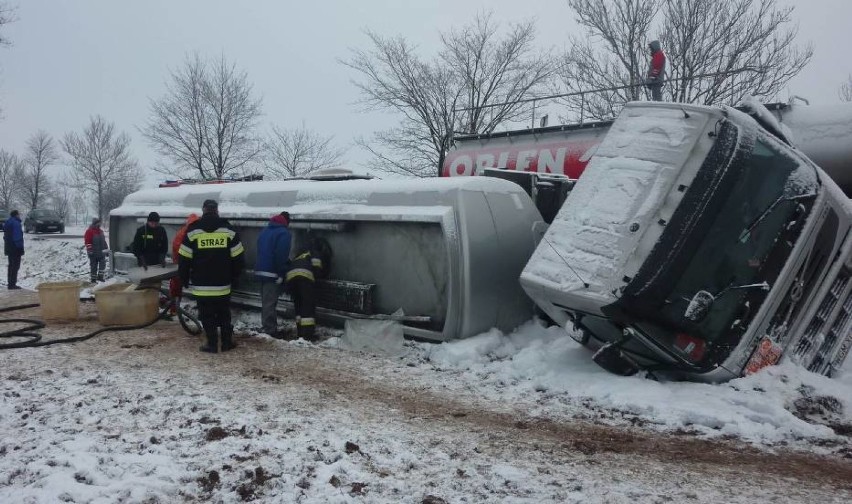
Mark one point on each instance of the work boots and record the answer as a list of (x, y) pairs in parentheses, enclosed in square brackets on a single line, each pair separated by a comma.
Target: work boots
[(307, 332), (212, 345), (228, 338)]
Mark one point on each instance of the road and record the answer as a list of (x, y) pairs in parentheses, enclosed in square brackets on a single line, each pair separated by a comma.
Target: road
[(293, 422)]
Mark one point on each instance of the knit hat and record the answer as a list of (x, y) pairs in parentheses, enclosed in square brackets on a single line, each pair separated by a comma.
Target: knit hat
[(279, 219), (210, 205), (153, 217), (96, 220)]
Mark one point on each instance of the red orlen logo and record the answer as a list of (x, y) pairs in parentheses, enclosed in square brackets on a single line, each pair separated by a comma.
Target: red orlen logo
[(560, 157)]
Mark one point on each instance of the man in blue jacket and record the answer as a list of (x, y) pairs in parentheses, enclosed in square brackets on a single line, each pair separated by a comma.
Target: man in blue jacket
[(273, 256), (13, 247)]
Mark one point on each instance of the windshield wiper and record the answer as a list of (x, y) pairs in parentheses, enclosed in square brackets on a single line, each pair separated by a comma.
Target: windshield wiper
[(744, 235)]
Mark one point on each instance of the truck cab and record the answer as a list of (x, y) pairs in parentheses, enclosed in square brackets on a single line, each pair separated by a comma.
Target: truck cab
[(695, 240)]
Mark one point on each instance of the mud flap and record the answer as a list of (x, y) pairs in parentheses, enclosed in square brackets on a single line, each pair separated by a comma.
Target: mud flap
[(611, 358)]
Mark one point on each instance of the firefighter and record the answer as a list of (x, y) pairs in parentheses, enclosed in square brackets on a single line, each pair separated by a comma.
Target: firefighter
[(211, 260), (150, 245), (310, 263)]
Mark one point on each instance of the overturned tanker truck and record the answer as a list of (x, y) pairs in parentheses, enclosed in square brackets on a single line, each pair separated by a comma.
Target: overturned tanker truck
[(446, 252), (701, 242)]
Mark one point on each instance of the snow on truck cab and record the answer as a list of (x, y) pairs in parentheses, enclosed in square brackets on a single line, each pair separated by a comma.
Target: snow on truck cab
[(697, 242)]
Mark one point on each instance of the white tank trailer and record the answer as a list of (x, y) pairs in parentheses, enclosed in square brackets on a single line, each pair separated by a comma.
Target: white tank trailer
[(447, 252)]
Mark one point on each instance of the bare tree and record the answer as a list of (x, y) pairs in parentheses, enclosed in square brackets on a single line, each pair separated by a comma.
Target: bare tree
[(610, 54), (177, 125), (298, 152), (473, 85), (206, 122), (60, 200), (749, 44), (41, 152), (11, 172), (715, 36), (7, 15), (101, 160), (494, 70), (118, 188), (80, 206), (845, 92)]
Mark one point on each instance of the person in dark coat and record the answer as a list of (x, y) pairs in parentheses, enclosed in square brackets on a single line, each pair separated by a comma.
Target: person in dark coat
[(13, 247), (151, 244), (211, 261), (310, 263), (656, 71), (96, 244), (273, 257)]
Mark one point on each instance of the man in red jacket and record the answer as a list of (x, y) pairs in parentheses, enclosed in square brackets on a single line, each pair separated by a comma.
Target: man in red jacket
[(96, 244), (657, 71), (175, 287)]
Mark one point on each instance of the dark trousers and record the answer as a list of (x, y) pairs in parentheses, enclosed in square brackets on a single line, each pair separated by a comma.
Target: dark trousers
[(14, 266), (214, 312), (97, 265), (305, 304), (656, 92)]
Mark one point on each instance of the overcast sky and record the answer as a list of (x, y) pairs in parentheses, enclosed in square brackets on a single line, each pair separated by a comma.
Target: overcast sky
[(72, 59)]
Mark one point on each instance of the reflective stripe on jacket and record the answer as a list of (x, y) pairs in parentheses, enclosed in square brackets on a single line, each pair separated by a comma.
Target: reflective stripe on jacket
[(301, 267), (211, 256), (273, 251)]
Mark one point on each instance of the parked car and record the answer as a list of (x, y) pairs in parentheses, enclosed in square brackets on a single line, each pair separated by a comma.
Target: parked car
[(41, 221), (4, 214)]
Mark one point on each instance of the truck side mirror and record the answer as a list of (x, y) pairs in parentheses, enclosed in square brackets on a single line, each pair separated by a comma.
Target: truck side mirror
[(699, 306)]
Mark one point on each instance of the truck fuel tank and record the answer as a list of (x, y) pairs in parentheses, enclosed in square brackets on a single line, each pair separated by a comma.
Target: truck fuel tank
[(447, 252)]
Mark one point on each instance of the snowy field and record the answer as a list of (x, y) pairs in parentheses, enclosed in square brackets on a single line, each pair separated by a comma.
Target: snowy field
[(142, 416)]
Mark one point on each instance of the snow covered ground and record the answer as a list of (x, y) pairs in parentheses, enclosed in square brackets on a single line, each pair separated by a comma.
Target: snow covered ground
[(142, 416)]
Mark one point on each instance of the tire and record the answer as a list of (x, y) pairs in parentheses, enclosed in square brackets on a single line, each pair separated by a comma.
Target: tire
[(62, 230)]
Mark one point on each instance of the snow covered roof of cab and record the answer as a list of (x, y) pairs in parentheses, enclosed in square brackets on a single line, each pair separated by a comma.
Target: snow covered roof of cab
[(625, 184), (261, 199)]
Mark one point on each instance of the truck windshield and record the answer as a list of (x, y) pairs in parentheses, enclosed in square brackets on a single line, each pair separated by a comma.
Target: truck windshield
[(748, 243)]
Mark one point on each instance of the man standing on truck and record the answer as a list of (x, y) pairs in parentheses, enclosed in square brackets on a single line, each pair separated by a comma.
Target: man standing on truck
[(96, 244), (273, 257), (211, 260), (13, 247), (656, 71), (150, 245)]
